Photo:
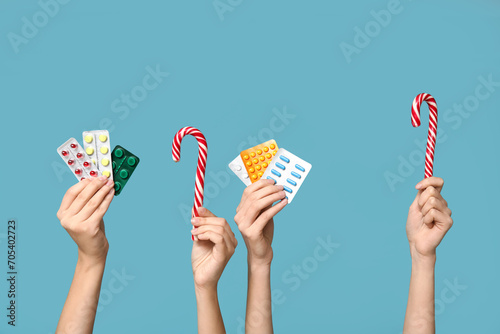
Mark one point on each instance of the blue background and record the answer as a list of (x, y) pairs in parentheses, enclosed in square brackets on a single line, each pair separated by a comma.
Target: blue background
[(228, 77)]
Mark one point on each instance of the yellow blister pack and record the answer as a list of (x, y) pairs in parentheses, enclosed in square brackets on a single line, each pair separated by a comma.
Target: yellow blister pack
[(257, 158)]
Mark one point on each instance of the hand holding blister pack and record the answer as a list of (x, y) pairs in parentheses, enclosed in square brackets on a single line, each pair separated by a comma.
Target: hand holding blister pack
[(268, 161)]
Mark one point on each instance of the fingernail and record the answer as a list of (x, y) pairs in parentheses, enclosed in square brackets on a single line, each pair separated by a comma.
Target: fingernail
[(418, 186), (283, 193), (194, 230), (102, 178), (109, 183), (193, 220)]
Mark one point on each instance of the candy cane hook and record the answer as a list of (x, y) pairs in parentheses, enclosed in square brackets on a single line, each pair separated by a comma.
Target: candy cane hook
[(431, 138), (202, 162)]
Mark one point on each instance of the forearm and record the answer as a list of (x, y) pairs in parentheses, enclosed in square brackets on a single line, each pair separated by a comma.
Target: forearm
[(209, 315), (259, 306), (78, 314), (420, 317)]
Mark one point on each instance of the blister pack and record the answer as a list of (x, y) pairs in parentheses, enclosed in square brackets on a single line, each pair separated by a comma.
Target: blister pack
[(257, 158), (124, 164), (98, 148), (238, 168), (288, 170), (77, 160)]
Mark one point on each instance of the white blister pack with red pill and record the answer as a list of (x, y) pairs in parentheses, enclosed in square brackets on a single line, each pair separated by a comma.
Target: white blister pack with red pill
[(289, 171), (77, 160), (98, 148)]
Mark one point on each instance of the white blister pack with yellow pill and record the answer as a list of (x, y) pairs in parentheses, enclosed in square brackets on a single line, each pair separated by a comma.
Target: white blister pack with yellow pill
[(98, 148)]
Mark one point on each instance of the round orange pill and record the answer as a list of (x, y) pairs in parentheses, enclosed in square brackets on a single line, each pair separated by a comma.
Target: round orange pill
[(255, 161), (249, 163), (251, 170), (258, 167), (272, 146), (260, 174), (246, 157), (265, 165), (254, 177), (262, 158), (266, 149), (274, 153), (268, 155), (252, 154), (259, 152)]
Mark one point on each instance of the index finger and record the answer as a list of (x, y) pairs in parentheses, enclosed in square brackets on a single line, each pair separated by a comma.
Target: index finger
[(436, 182), (72, 193)]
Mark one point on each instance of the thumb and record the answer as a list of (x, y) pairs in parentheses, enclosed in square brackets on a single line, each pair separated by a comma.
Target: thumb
[(204, 212)]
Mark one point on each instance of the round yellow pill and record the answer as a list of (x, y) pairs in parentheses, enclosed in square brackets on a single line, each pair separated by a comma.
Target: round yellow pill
[(255, 161), (268, 155), (265, 165), (251, 170), (103, 138), (266, 149), (89, 139), (258, 167), (89, 150), (249, 163), (272, 146), (262, 158), (260, 174), (259, 152), (246, 157), (105, 162), (93, 161), (106, 173), (104, 150), (254, 177)]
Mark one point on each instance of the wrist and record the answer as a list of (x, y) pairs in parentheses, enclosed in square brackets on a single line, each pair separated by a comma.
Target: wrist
[(420, 260), (205, 291), (259, 268), (90, 261)]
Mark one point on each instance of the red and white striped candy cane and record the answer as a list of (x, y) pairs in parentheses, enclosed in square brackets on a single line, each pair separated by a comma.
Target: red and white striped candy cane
[(431, 139), (202, 162)]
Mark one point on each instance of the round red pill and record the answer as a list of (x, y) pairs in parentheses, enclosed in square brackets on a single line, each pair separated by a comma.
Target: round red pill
[(86, 164), (93, 173), (73, 145), (64, 153), (70, 162), (78, 171), (79, 155)]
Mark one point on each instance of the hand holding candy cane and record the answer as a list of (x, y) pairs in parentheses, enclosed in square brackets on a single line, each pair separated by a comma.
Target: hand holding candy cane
[(431, 139), (202, 162)]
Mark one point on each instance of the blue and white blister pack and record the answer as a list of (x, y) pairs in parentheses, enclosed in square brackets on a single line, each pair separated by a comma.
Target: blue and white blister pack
[(288, 170)]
